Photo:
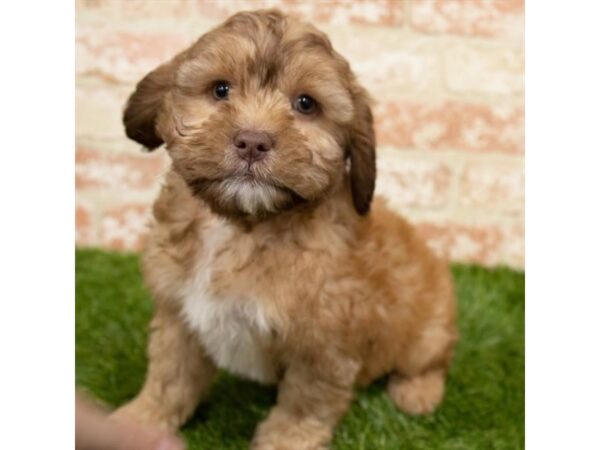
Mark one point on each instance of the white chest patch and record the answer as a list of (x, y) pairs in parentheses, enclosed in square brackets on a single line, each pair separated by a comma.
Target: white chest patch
[(234, 331)]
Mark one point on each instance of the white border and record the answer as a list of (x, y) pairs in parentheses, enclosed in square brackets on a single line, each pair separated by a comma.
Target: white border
[(563, 225), (37, 224)]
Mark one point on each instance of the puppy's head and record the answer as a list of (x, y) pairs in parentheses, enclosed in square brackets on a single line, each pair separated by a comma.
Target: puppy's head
[(259, 115)]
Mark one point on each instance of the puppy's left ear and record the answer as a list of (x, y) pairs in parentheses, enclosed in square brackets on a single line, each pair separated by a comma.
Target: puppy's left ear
[(361, 149)]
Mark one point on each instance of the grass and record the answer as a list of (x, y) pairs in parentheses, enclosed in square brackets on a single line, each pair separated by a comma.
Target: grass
[(483, 408)]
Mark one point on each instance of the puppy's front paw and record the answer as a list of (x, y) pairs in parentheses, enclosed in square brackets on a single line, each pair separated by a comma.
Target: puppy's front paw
[(141, 412), (287, 442), (281, 433)]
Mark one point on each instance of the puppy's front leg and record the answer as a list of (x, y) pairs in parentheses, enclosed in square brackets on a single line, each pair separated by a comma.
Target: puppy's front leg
[(179, 374), (309, 405)]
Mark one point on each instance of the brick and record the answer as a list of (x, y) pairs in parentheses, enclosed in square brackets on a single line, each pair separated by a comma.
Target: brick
[(124, 227), (99, 111), (339, 12), (97, 169), (481, 244), (493, 70), (84, 226), (389, 62), (336, 12), (412, 182), (514, 244), (136, 9), (490, 243), (123, 55), (493, 186), (451, 125), (469, 17)]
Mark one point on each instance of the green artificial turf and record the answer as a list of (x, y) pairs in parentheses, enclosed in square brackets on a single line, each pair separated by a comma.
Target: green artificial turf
[(483, 407)]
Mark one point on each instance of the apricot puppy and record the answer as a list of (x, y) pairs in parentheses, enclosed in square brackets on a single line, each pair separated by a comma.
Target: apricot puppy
[(263, 256)]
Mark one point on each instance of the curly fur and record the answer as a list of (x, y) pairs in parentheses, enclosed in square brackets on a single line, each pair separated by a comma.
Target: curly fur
[(283, 271)]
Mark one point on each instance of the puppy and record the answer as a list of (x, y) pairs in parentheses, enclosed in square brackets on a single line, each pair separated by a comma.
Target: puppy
[(265, 256)]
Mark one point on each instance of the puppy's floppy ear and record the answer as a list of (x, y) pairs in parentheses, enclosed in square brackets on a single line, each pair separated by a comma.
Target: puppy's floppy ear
[(146, 101), (362, 153)]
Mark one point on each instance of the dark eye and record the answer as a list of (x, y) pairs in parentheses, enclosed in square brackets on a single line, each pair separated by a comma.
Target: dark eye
[(305, 104), (221, 90)]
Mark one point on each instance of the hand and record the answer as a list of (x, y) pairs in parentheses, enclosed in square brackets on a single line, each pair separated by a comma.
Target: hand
[(94, 430)]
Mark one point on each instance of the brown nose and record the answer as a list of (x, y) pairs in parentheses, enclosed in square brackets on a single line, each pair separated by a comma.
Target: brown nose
[(252, 145)]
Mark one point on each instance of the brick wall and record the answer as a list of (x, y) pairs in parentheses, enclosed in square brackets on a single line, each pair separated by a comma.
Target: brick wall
[(448, 76)]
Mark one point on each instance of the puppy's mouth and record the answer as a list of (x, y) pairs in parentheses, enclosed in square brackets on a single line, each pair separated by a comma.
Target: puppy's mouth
[(248, 179), (246, 194)]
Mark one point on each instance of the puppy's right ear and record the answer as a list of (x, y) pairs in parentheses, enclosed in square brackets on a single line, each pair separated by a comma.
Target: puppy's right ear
[(362, 153), (146, 101)]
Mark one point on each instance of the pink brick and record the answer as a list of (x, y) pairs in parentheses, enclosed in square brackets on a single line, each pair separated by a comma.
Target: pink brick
[(493, 186), (137, 9), (514, 243), (339, 12), (99, 111), (120, 55), (451, 125), (388, 62), (412, 182), (124, 227), (84, 226), (469, 17), (490, 70), (481, 244), (379, 12), (97, 169)]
